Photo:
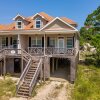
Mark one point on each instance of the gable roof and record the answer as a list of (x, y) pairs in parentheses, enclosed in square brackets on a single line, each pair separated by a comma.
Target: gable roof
[(31, 23), (68, 20), (57, 18), (18, 15)]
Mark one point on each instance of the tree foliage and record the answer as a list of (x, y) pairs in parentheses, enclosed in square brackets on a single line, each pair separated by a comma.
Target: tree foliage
[(91, 32)]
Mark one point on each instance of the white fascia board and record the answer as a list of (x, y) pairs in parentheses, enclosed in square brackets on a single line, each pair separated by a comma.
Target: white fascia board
[(36, 15), (61, 21), (18, 16)]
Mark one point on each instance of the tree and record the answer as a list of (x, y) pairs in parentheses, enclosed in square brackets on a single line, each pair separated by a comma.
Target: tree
[(90, 32)]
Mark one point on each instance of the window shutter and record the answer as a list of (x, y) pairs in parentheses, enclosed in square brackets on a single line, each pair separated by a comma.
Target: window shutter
[(42, 41), (48, 41), (29, 41), (73, 41), (6, 41)]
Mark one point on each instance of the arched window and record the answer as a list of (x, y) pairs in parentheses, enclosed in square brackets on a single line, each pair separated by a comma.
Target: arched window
[(38, 23)]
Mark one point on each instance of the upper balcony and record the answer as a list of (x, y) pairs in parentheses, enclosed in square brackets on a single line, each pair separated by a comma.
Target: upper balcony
[(51, 51)]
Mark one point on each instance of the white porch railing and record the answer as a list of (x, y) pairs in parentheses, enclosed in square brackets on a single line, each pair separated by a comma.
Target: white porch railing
[(15, 46), (36, 51), (51, 51)]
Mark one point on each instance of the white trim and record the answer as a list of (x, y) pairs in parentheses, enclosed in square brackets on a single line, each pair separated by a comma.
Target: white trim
[(60, 20), (18, 15), (36, 38), (18, 25), (40, 23), (71, 41), (63, 41), (39, 15)]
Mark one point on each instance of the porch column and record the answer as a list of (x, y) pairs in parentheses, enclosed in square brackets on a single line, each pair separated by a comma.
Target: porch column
[(41, 73), (44, 43), (19, 42), (56, 63), (72, 70), (21, 62), (46, 67), (52, 65), (1, 68), (4, 68)]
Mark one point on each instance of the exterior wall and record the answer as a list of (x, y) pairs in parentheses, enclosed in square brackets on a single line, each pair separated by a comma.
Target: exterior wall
[(24, 41), (44, 22), (24, 24), (57, 36), (8, 36), (53, 36), (56, 25), (77, 43), (9, 65)]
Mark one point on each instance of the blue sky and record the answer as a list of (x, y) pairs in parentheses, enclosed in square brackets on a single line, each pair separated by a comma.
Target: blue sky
[(74, 9)]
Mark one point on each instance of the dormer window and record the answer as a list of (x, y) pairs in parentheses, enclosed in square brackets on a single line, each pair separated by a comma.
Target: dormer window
[(38, 23), (19, 25)]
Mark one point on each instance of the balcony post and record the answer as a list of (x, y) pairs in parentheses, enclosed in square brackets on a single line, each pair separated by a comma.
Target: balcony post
[(44, 43)]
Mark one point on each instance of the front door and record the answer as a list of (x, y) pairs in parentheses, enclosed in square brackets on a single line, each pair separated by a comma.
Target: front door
[(61, 45), (17, 65)]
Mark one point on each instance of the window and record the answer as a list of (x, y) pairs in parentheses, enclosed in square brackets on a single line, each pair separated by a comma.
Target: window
[(69, 42), (39, 42), (14, 42), (36, 42), (3, 42), (52, 42), (19, 24), (38, 23)]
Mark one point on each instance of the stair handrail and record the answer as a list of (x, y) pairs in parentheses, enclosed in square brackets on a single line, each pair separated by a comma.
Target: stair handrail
[(1, 52), (25, 70), (33, 81), (23, 74)]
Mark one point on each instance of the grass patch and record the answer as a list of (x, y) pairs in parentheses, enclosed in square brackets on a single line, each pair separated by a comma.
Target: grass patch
[(7, 89), (87, 84)]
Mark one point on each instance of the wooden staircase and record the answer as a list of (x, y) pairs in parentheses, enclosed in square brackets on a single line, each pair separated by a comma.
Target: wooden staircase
[(29, 77), (24, 88)]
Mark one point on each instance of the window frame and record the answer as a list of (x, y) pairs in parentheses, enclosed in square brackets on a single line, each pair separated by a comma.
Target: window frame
[(54, 40), (38, 19), (17, 26), (70, 46), (36, 42), (3, 41)]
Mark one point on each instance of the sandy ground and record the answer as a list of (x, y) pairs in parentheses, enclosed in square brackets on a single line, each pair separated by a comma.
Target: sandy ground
[(58, 88), (55, 90)]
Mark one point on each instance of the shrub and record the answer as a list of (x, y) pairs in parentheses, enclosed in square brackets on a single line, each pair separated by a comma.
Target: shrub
[(90, 61)]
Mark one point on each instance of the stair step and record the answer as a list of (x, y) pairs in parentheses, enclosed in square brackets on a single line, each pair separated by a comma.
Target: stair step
[(28, 80), (23, 93), (25, 87), (29, 76), (31, 70), (30, 73), (23, 96), (23, 90)]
